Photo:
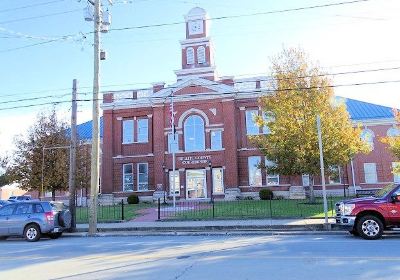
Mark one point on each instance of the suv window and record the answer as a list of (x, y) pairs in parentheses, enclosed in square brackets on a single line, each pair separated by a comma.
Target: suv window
[(7, 210), (23, 209), (38, 208)]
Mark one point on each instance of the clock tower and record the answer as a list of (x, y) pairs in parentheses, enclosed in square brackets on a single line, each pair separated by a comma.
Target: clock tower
[(196, 48)]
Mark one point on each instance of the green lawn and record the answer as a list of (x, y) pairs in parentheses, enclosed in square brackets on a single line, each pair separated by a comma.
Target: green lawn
[(111, 213), (252, 209)]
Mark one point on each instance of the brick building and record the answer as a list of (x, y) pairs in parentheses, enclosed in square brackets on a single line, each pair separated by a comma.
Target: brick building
[(213, 117)]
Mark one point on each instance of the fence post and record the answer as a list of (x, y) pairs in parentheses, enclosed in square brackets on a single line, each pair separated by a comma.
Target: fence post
[(159, 209), (270, 206), (332, 207), (213, 209), (122, 210)]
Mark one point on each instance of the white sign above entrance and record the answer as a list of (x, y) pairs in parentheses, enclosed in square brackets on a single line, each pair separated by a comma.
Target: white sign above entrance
[(194, 159)]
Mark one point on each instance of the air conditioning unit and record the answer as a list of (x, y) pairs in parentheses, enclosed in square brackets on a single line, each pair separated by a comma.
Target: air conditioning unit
[(88, 12)]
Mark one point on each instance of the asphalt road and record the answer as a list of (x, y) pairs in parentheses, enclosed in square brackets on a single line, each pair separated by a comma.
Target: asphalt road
[(202, 257)]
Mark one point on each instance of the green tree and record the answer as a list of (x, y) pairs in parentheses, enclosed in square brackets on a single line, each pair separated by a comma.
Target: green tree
[(300, 92), (45, 141), (393, 142)]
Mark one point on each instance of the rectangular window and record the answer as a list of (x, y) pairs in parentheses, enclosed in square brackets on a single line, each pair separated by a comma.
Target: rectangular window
[(305, 179), (216, 139), (334, 175), (218, 180), (395, 170), (127, 177), (265, 128), (255, 178), (127, 132), (177, 183), (370, 173), (143, 176), (173, 146), (251, 126), (143, 130), (272, 179)]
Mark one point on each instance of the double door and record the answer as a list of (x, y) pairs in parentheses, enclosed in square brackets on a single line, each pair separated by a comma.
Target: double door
[(196, 184)]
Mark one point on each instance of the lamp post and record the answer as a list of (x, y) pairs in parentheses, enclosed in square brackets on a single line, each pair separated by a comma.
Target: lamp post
[(164, 181), (211, 181)]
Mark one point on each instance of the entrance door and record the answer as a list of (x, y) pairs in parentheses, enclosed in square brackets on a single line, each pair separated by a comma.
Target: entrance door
[(196, 186)]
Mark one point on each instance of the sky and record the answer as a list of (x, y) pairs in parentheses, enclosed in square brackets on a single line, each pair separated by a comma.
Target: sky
[(354, 37)]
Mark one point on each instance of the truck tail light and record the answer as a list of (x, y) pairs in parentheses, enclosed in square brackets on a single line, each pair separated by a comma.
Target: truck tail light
[(49, 217)]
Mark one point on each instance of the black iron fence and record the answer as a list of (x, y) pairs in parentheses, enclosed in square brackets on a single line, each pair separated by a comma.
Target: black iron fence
[(105, 213), (273, 208)]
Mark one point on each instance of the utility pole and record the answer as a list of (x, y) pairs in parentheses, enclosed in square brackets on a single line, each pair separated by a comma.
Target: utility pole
[(94, 169), (173, 150), (72, 158), (321, 160)]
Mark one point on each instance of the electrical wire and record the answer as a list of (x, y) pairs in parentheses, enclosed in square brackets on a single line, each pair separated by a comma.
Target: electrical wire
[(30, 6), (242, 92), (41, 16), (214, 83)]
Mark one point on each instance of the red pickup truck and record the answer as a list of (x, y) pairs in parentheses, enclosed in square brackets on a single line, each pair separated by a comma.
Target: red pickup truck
[(368, 217)]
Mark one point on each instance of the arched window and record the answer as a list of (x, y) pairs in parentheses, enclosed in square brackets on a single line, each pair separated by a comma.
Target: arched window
[(201, 55), (190, 56), (393, 132), (367, 135), (194, 134)]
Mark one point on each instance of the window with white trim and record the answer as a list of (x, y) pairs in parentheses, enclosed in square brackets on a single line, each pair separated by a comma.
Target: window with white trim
[(251, 126), (395, 170), (171, 183), (393, 132), (216, 139), (266, 120), (143, 130), (334, 175), (127, 131), (189, 56), (194, 134), (143, 176), (218, 180), (370, 174), (201, 55), (173, 145), (305, 180), (127, 171), (255, 178), (272, 179), (367, 136)]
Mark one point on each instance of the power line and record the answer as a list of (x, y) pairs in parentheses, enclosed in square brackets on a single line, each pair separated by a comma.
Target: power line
[(242, 15), (257, 91), (214, 83), (30, 6), (41, 16)]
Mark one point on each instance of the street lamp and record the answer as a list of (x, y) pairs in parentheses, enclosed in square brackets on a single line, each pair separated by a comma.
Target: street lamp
[(211, 181), (164, 181)]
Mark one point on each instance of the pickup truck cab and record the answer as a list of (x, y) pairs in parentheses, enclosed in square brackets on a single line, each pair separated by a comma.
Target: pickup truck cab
[(368, 217)]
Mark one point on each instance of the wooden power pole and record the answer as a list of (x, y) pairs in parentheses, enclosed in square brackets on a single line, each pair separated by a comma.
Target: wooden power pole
[(72, 158), (94, 168)]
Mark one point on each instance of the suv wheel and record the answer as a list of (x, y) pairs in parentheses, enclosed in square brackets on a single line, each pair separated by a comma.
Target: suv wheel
[(32, 233), (370, 227)]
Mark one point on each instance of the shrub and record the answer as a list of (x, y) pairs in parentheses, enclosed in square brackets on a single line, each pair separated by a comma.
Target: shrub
[(133, 199), (266, 194)]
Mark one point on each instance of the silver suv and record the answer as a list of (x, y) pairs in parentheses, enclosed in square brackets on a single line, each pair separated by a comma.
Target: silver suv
[(33, 219)]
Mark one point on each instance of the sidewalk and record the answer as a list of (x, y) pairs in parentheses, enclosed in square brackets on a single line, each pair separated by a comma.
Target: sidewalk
[(211, 226)]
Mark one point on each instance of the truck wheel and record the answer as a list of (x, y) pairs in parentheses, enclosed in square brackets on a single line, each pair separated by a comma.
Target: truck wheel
[(32, 233), (55, 235), (370, 227)]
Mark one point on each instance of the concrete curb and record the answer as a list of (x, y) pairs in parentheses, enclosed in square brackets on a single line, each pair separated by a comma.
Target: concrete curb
[(204, 233)]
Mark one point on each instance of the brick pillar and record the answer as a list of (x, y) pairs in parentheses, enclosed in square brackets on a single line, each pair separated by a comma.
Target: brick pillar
[(107, 153), (230, 132), (158, 145)]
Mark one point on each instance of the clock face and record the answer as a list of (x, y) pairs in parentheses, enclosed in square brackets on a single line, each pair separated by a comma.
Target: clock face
[(195, 27)]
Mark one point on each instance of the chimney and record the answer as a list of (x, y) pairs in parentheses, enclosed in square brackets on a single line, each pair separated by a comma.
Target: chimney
[(158, 86), (227, 80), (108, 97)]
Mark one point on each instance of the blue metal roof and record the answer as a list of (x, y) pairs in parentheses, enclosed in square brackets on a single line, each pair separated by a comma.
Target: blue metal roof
[(358, 110), (84, 130)]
